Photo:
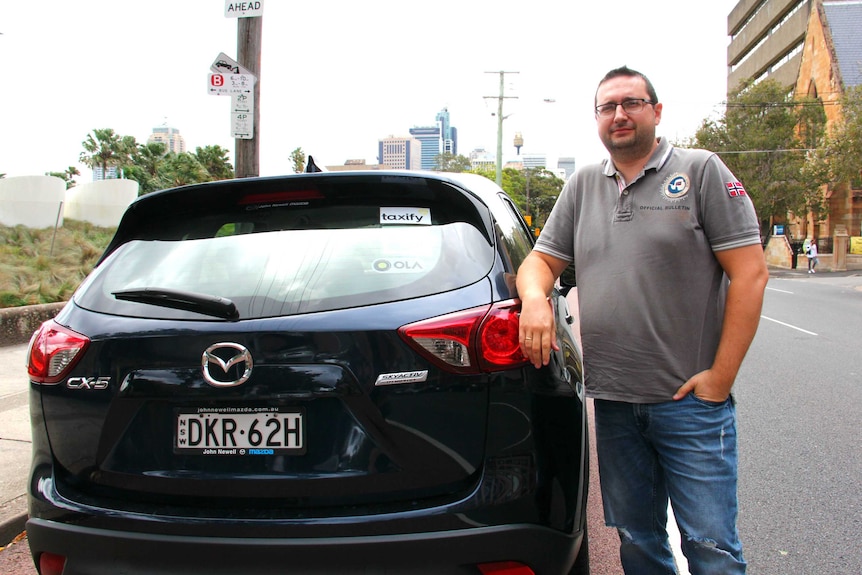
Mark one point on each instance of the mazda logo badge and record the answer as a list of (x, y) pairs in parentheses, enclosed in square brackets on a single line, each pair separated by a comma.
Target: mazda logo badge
[(226, 356)]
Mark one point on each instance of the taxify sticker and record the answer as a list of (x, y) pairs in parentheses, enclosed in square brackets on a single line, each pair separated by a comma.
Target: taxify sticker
[(410, 216)]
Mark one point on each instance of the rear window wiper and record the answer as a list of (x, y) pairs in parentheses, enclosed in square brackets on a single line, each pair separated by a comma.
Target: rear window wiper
[(212, 305)]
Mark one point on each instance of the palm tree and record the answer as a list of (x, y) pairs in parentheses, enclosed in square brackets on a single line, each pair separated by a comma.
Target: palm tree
[(214, 159), (104, 149)]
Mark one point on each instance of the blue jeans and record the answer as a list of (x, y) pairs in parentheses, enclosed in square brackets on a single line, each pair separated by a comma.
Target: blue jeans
[(684, 450)]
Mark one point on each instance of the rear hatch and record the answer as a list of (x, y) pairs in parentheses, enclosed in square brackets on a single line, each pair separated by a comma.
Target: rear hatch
[(239, 347)]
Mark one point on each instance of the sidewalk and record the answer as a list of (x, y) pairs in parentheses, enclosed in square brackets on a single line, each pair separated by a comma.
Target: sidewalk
[(15, 442)]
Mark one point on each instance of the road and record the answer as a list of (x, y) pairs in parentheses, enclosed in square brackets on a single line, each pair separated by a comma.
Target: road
[(800, 407)]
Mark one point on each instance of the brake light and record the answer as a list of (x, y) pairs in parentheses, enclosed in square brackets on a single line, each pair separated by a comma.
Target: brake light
[(51, 564), (53, 352), (471, 341), (280, 197), (505, 568)]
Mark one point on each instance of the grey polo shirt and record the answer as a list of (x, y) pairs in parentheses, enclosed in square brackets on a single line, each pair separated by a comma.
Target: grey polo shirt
[(650, 289)]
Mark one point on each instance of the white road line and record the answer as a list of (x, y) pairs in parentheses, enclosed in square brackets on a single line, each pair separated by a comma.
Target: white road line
[(781, 290), (788, 325)]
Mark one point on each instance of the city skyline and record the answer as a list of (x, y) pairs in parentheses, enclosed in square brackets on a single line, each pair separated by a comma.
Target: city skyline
[(98, 66)]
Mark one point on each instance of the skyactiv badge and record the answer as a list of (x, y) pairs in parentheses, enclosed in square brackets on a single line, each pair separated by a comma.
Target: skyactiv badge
[(406, 216)]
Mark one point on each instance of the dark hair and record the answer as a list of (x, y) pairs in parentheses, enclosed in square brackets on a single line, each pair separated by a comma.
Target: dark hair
[(625, 71)]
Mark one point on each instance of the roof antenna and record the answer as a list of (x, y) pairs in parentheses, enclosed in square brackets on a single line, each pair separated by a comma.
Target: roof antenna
[(311, 167)]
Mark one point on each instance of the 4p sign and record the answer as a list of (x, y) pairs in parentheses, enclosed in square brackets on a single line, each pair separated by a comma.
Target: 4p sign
[(243, 9)]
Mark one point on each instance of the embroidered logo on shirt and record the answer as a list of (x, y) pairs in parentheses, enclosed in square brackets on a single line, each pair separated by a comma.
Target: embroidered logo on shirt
[(676, 187), (735, 189)]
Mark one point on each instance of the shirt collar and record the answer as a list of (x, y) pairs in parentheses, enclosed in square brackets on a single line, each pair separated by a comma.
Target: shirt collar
[(657, 161)]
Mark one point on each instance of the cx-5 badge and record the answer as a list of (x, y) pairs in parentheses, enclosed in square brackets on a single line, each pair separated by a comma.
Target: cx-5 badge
[(225, 356)]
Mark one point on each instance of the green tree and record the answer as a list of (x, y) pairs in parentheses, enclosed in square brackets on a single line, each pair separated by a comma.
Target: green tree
[(544, 188), (449, 162), (535, 190), (841, 154), (146, 164), (215, 161), (764, 138), (104, 148), (67, 176), (297, 158), (181, 170)]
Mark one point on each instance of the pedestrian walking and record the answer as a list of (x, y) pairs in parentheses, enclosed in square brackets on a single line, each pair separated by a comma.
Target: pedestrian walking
[(670, 273), (812, 256)]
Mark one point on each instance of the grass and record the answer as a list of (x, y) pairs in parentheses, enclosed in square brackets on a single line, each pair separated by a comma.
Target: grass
[(38, 266)]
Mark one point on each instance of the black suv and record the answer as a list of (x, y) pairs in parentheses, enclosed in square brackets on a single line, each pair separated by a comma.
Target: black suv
[(315, 373)]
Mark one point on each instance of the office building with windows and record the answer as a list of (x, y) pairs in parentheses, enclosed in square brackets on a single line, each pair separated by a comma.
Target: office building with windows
[(441, 138), (766, 40), (429, 137), (567, 165), (170, 137), (400, 153)]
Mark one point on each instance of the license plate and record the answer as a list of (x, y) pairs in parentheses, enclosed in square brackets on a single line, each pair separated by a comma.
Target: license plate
[(240, 431)]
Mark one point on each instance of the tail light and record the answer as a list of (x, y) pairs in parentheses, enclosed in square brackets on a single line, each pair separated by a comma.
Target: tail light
[(51, 564), (471, 341), (53, 352), (505, 568)]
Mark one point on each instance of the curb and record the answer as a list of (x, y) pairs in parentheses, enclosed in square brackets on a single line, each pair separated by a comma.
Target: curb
[(13, 519)]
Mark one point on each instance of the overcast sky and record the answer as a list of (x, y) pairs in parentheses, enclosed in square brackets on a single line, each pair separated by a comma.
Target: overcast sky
[(338, 75)]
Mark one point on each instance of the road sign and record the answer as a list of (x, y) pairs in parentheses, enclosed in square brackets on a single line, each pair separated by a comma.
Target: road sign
[(242, 115), (228, 84), (243, 9), (223, 64)]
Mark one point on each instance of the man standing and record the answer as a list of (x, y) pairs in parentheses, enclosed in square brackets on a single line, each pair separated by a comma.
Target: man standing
[(671, 275)]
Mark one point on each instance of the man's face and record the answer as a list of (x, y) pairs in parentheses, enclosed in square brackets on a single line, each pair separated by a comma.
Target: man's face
[(627, 136)]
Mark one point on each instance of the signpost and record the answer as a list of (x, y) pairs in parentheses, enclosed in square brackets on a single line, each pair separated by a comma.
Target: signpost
[(240, 87), (240, 81)]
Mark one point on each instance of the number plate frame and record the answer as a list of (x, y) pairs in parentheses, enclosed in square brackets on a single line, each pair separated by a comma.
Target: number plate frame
[(240, 431)]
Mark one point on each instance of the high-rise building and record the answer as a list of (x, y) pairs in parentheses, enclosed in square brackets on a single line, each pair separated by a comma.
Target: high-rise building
[(766, 40), (448, 134), (429, 136), (439, 139), (170, 137), (111, 173), (534, 160), (400, 153), (567, 164)]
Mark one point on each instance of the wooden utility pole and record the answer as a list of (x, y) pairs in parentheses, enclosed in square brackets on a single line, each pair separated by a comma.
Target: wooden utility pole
[(500, 118), (248, 42)]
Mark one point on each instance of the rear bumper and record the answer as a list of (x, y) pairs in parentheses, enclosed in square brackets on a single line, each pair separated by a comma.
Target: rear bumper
[(94, 551)]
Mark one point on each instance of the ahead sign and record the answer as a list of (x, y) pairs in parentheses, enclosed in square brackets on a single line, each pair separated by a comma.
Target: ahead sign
[(243, 9)]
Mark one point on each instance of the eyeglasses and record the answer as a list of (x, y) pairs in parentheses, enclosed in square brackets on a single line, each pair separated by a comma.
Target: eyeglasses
[(630, 106)]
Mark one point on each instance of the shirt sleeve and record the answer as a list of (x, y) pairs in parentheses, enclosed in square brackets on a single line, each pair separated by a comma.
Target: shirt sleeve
[(729, 218), (558, 235)]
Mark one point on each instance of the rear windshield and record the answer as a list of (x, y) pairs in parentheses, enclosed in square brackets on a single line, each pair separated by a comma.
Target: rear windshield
[(295, 271)]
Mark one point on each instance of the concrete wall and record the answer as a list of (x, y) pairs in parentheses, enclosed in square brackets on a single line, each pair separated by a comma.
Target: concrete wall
[(17, 324), (32, 201), (779, 254), (101, 203), (35, 201)]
